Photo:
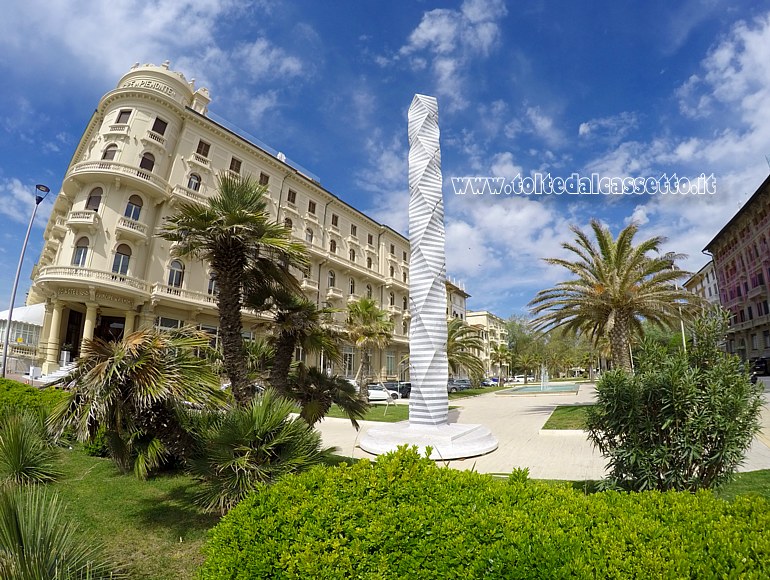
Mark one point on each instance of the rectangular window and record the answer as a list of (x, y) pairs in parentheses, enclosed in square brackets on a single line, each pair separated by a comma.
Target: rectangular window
[(235, 165), (168, 323), (392, 250), (766, 338), (292, 197), (264, 179), (370, 239), (311, 207), (403, 256), (159, 126), (203, 148), (390, 362), (123, 117), (754, 342), (353, 230), (751, 313), (335, 220), (347, 361)]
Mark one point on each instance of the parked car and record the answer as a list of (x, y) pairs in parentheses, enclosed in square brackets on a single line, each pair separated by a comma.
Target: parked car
[(402, 388), (488, 383), (458, 385), (759, 366), (378, 392)]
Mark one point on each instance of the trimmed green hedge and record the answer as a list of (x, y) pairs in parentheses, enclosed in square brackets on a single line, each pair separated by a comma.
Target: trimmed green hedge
[(404, 517), (14, 394)]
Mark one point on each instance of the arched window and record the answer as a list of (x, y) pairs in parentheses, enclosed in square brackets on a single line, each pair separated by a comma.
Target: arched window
[(403, 276), (287, 222), (94, 199), (352, 286), (134, 207), (392, 299), (369, 291), (392, 271), (369, 263), (109, 152), (333, 246), (405, 303), (175, 274), (122, 257), (81, 252), (332, 279), (194, 182), (147, 162), (212, 290), (309, 236), (352, 255), (405, 327)]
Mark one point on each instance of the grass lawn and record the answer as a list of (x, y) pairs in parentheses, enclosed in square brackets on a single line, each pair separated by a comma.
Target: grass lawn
[(567, 417), (750, 483), (150, 526), (377, 412), (474, 392)]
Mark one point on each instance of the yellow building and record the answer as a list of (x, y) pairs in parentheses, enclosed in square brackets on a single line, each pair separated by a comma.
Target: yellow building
[(150, 145), (493, 333)]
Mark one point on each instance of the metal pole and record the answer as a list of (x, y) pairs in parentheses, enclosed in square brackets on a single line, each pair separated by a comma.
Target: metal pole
[(38, 200)]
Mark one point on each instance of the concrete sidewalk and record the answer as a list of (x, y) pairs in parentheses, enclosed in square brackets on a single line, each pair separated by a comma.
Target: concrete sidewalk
[(516, 421)]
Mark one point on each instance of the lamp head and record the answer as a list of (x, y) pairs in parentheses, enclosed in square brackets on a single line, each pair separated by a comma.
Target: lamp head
[(43, 189)]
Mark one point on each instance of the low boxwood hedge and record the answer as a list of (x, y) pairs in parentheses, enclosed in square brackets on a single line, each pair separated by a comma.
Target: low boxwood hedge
[(16, 395), (404, 517)]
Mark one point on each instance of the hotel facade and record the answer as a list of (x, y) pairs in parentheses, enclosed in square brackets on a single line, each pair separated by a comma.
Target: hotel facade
[(104, 271), (741, 258)]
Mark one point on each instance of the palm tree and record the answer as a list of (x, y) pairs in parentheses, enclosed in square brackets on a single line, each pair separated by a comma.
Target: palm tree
[(299, 322), (368, 328), (462, 344), (316, 392), (526, 361), (137, 391), (499, 355), (235, 235), (617, 285)]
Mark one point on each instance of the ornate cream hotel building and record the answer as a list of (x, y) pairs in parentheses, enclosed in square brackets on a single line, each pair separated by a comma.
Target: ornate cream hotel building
[(151, 145)]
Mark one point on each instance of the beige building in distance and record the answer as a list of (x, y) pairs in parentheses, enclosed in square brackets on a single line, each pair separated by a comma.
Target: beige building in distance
[(150, 145), (493, 332)]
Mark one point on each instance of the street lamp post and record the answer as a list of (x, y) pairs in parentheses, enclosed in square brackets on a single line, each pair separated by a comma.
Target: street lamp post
[(42, 192)]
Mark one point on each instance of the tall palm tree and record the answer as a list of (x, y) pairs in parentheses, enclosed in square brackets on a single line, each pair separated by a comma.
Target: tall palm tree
[(499, 355), (235, 235), (616, 286), (526, 361), (368, 327), (137, 391), (462, 345)]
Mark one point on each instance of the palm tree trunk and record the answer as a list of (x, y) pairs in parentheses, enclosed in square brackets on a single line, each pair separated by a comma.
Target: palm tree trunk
[(282, 357), (231, 328), (619, 345)]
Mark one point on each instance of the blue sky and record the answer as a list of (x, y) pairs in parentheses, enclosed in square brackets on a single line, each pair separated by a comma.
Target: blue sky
[(620, 89)]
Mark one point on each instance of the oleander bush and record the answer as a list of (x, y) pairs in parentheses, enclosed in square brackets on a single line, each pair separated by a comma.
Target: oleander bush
[(681, 421), (405, 517)]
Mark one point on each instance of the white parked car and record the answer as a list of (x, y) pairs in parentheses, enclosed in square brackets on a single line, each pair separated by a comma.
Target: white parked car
[(378, 392)]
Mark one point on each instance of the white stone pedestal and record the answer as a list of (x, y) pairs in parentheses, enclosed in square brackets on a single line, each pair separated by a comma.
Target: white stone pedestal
[(449, 441)]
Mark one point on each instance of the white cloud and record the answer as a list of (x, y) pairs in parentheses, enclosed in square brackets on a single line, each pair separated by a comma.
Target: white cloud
[(611, 129), (17, 201)]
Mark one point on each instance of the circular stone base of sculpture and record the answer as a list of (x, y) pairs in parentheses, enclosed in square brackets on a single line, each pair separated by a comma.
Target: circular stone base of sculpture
[(450, 441)]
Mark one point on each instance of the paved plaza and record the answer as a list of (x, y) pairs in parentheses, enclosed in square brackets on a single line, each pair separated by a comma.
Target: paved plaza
[(517, 423)]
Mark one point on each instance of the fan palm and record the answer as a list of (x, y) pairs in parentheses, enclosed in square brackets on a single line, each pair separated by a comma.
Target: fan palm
[(235, 235), (617, 285), (251, 445), (463, 342), (316, 392), (136, 390), (368, 327), (26, 454)]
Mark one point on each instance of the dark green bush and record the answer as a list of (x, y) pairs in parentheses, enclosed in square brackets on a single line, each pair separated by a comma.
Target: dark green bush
[(681, 422), (14, 394), (404, 517)]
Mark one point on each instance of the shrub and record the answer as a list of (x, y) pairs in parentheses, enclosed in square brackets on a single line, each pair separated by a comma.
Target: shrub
[(27, 455), (405, 517), (14, 394), (252, 445), (680, 422), (37, 541)]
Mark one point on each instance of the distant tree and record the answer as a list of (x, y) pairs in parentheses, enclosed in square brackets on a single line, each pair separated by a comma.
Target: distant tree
[(616, 286), (463, 344), (499, 356), (368, 328)]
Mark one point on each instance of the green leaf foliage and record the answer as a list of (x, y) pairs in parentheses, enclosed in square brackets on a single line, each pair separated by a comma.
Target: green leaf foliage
[(405, 517), (681, 422), (14, 394), (38, 541), (27, 454)]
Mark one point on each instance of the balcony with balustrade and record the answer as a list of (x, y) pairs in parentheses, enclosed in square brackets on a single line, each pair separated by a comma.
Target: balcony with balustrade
[(86, 277), (131, 229), (80, 220), (134, 176)]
